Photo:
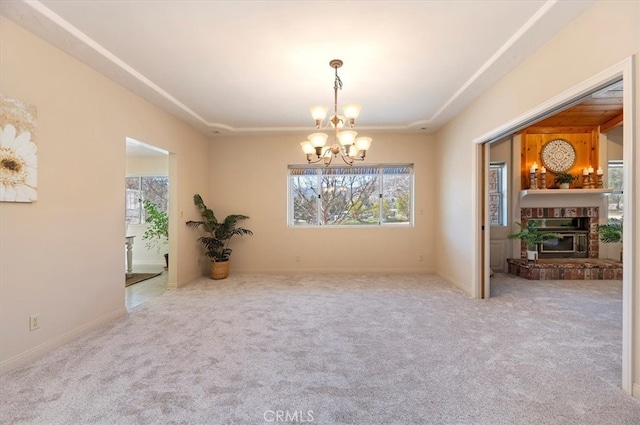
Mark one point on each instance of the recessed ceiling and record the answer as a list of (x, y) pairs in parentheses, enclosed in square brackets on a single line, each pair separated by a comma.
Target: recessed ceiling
[(237, 67)]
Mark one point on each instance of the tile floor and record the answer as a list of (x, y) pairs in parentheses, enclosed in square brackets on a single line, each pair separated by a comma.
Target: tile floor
[(141, 292)]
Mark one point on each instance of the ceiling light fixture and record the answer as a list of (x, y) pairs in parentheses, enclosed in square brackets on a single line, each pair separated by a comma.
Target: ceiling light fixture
[(345, 142)]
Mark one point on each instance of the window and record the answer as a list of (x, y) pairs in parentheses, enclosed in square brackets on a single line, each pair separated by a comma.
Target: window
[(152, 188), (356, 196), (615, 181), (497, 194)]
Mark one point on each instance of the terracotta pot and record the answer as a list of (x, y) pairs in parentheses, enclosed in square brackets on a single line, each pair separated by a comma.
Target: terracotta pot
[(219, 270)]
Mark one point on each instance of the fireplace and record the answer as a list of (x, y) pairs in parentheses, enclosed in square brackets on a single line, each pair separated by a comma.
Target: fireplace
[(571, 245), (578, 226), (574, 242)]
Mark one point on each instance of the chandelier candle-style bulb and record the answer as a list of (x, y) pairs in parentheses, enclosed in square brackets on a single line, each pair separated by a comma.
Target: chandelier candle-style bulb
[(347, 137), (319, 113), (307, 148), (318, 140), (351, 112), (363, 143)]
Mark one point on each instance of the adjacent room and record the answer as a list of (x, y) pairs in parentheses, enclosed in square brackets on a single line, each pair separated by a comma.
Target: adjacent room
[(146, 222), (458, 247)]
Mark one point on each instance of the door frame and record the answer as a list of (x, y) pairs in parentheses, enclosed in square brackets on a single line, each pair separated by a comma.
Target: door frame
[(623, 70)]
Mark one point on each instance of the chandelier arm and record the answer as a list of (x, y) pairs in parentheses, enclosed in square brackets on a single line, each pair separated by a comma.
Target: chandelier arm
[(309, 161), (350, 162), (322, 157)]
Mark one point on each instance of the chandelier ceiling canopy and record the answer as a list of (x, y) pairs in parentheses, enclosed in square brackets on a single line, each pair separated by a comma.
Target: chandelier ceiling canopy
[(345, 143)]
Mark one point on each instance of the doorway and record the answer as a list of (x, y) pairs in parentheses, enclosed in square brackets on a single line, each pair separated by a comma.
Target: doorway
[(146, 220), (621, 72)]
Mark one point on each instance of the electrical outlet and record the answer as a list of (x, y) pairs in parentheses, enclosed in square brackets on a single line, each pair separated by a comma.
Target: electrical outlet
[(297, 258), (34, 322), (420, 258)]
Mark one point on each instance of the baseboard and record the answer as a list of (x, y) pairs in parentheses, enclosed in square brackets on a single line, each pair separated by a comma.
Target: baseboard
[(333, 271), (454, 282), (37, 352), (635, 391)]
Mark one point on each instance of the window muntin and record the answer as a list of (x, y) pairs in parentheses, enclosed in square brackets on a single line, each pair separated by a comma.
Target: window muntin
[(152, 188), (350, 196), (497, 194)]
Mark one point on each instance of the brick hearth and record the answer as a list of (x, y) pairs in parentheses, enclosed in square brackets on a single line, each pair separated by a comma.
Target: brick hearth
[(566, 269)]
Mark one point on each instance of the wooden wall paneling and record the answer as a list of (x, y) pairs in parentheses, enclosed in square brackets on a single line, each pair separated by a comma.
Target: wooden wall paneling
[(585, 142)]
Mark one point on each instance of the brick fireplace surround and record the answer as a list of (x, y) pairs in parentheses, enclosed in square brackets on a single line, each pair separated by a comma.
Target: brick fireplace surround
[(592, 213), (565, 268)]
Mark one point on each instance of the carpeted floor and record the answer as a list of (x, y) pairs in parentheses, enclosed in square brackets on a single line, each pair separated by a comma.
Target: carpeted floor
[(341, 349), (132, 278)]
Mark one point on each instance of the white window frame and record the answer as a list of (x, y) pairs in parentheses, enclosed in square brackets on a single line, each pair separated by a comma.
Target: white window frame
[(502, 191), (129, 194), (614, 163), (381, 223)]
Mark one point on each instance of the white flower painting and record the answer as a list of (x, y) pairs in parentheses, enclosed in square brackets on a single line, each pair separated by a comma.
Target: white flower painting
[(18, 152)]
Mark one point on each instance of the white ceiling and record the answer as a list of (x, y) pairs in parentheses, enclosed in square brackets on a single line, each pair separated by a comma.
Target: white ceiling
[(238, 67)]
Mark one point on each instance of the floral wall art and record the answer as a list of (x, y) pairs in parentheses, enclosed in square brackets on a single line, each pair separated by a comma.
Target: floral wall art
[(18, 151)]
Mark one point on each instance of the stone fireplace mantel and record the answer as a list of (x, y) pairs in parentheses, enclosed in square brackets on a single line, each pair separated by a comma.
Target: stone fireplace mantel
[(550, 198)]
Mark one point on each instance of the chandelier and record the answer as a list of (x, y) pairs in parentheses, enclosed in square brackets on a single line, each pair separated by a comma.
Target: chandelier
[(345, 142)]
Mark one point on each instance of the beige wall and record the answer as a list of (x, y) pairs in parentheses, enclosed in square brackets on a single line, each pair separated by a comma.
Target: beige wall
[(249, 176), (62, 256), (582, 50), (614, 144)]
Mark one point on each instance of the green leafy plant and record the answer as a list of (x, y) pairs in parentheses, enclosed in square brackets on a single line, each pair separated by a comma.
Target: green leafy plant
[(532, 236), (219, 233), (611, 232), (564, 178), (157, 232)]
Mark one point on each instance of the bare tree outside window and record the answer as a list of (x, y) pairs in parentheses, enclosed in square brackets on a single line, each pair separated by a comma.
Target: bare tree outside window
[(615, 182), (350, 196), (304, 195), (152, 188)]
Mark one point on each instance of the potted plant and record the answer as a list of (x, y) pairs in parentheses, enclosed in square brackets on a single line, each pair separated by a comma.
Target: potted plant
[(532, 237), (157, 232), (218, 236), (611, 232), (564, 179)]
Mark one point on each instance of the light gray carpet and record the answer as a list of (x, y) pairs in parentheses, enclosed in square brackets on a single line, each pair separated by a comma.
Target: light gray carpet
[(352, 349)]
